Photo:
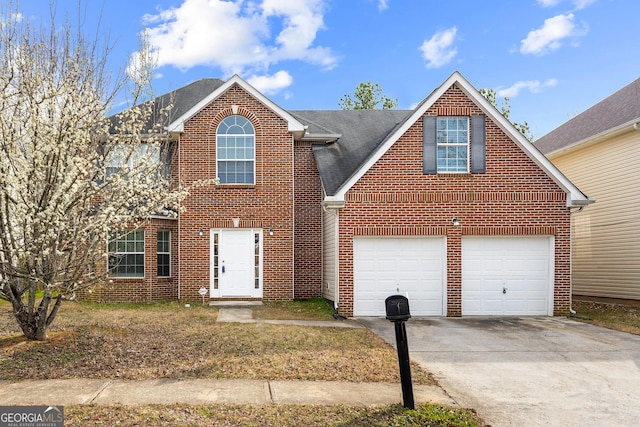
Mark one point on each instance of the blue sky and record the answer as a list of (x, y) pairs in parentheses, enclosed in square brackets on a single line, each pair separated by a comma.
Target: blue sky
[(553, 58)]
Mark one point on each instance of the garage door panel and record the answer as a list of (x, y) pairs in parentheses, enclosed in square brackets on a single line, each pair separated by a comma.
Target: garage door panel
[(519, 265), (409, 266), (492, 305)]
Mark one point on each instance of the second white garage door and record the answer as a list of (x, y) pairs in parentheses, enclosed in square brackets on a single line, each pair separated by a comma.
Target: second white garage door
[(507, 275), (414, 267)]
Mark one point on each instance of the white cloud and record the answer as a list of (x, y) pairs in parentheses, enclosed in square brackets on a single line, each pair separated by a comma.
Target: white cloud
[(548, 3), (272, 84), (13, 18), (581, 4), (534, 86), (302, 19), (238, 36), (383, 5), (549, 37), (577, 4), (438, 50)]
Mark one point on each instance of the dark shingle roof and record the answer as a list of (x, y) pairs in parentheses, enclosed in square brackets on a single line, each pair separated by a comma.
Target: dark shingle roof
[(187, 97), (616, 110), (182, 99), (362, 132)]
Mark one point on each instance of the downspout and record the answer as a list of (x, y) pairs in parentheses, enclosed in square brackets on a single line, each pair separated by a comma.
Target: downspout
[(179, 219), (572, 312), (293, 215)]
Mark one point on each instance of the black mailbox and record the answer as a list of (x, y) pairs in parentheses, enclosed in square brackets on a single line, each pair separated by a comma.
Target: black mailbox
[(397, 308)]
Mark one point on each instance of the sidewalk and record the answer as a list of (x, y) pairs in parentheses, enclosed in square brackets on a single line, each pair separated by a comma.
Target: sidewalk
[(210, 391), (217, 391)]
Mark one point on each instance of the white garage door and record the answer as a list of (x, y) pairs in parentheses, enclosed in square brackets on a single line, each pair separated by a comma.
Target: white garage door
[(507, 275), (414, 267)]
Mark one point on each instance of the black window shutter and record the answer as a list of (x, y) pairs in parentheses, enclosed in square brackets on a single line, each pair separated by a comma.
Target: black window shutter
[(429, 148), (478, 145)]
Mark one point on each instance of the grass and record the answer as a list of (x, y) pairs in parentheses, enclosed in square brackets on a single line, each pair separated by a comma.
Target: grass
[(613, 316), (91, 340), (272, 415), (98, 340), (311, 309), (126, 340)]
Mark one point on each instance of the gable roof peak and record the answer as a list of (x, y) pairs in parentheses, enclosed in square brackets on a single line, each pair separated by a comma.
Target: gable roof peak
[(574, 195), (294, 126)]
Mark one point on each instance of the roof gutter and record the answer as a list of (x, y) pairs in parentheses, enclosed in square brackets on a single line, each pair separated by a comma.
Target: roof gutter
[(609, 133), (323, 137), (298, 134), (579, 203), (332, 203)]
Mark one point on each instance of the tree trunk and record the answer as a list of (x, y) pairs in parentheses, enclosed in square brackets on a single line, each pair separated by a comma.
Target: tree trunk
[(35, 321), (33, 331)]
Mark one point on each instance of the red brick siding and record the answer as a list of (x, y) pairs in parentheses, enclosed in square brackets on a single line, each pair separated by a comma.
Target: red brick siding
[(308, 224), (513, 197), (151, 287), (267, 204)]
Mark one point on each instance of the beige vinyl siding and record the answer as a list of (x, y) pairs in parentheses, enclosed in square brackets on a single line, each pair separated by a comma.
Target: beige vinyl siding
[(606, 235), (329, 254)]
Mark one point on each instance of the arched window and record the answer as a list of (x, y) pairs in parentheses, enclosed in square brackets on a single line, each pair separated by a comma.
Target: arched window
[(236, 151)]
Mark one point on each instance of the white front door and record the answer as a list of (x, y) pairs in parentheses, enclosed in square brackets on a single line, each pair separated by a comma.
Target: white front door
[(235, 263)]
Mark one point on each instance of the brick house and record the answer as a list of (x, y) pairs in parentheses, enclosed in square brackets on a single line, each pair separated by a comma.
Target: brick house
[(446, 203)]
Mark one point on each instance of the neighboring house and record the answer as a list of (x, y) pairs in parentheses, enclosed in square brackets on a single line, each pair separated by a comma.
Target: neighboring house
[(599, 150), (448, 204)]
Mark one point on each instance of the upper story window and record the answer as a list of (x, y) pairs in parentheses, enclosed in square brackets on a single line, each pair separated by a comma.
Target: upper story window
[(454, 144), (235, 151), (128, 157), (452, 139)]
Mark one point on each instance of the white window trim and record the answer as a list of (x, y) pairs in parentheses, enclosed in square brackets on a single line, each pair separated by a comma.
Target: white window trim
[(253, 160), (117, 160), (144, 259), (164, 253), (454, 144)]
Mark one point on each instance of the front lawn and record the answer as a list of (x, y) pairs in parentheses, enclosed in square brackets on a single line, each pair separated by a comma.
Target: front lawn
[(167, 340)]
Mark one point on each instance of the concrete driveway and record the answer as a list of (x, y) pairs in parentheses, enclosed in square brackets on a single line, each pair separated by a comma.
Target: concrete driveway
[(530, 371)]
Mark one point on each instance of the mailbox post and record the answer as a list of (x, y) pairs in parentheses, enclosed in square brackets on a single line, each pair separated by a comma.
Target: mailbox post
[(398, 312)]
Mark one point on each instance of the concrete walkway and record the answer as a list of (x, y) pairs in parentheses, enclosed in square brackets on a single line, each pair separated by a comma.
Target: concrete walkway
[(245, 315), (210, 391), (217, 391)]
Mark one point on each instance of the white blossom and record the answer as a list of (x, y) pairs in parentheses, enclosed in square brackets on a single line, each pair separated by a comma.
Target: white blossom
[(61, 190)]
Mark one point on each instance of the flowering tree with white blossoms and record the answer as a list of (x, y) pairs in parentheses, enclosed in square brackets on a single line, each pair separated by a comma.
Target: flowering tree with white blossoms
[(69, 174)]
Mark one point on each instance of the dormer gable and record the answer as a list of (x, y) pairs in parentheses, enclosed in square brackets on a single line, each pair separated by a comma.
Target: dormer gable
[(574, 196)]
